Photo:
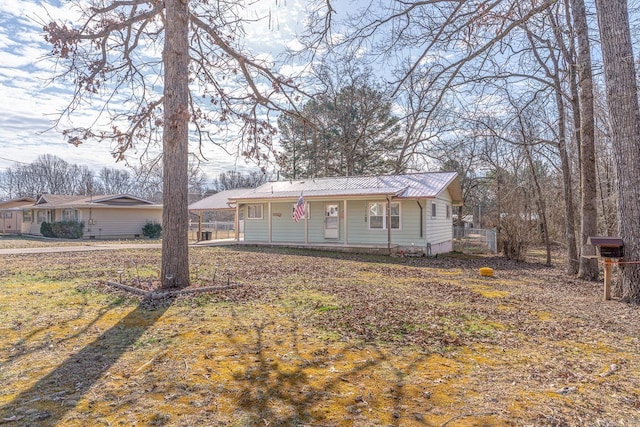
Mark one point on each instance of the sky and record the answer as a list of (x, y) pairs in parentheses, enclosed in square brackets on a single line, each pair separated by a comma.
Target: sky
[(30, 102)]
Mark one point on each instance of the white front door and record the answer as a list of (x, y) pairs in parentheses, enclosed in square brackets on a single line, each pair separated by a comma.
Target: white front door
[(331, 222)]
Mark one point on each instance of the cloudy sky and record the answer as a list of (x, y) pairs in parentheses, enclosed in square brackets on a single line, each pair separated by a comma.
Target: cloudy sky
[(30, 102)]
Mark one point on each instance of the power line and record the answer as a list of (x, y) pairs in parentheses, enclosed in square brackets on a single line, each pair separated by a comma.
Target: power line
[(15, 161)]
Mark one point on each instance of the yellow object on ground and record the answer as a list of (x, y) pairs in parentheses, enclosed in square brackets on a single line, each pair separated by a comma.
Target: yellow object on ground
[(486, 271)]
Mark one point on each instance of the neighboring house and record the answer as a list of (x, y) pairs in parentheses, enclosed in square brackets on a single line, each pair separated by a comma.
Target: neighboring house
[(409, 213), (11, 214), (119, 215)]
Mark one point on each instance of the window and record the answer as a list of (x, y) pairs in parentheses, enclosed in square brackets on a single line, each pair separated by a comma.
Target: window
[(7, 214), (448, 212), (42, 216), (46, 216), (378, 215), (69, 215), (254, 211), (27, 216), (434, 209)]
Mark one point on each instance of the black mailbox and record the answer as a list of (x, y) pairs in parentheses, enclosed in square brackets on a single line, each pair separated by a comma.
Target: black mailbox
[(608, 247)]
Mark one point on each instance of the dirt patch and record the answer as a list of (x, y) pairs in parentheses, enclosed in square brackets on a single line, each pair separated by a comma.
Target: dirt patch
[(312, 338)]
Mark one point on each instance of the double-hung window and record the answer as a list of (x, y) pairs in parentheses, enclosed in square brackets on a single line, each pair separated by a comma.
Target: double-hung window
[(378, 216), (254, 211), (69, 215)]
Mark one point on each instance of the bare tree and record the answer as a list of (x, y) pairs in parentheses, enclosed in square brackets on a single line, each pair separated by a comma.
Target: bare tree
[(588, 186), (113, 56), (232, 179), (114, 181)]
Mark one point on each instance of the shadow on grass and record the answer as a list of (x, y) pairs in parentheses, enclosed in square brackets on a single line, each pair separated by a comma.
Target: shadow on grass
[(20, 348), (47, 401), (289, 388), (447, 260)]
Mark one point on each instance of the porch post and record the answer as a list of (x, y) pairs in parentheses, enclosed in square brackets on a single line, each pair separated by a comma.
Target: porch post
[(389, 224), (199, 226), (269, 220), (346, 230), (237, 222), (307, 210)]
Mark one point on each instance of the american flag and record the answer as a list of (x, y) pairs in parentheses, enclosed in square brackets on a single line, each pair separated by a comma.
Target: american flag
[(298, 211)]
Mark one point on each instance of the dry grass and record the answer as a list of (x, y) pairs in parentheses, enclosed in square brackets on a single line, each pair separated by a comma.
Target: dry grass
[(312, 338)]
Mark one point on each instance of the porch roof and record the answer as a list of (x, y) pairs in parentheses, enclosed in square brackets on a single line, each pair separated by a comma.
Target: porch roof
[(407, 186), (218, 201)]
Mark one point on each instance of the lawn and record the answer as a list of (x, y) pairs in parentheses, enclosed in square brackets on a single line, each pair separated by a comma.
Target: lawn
[(312, 338)]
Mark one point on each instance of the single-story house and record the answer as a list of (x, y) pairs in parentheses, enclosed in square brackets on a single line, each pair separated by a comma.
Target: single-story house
[(105, 216), (410, 212), (11, 214)]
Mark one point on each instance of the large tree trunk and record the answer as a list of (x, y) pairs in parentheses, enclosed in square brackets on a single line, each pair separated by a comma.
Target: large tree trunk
[(175, 216), (624, 113), (589, 213), (570, 227)]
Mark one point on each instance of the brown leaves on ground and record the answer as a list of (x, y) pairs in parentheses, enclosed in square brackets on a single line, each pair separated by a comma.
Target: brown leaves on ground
[(313, 338)]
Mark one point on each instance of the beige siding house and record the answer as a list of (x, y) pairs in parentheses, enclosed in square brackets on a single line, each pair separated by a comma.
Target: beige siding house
[(11, 215), (107, 216)]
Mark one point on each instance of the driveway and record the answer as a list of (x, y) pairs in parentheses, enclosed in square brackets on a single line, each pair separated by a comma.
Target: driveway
[(79, 248)]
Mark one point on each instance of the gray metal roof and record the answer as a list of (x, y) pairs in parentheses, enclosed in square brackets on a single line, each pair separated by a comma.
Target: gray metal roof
[(416, 185), (218, 201)]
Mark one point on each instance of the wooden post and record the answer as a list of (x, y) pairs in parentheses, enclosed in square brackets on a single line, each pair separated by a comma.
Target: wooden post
[(236, 222), (607, 279), (199, 226)]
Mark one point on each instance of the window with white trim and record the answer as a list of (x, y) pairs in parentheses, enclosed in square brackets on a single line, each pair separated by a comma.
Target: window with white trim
[(378, 215), (69, 215), (254, 212), (434, 209), (448, 212), (41, 216), (27, 216)]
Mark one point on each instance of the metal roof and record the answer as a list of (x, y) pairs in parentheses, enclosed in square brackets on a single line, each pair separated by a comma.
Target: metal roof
[(416, 185), (218, 201)]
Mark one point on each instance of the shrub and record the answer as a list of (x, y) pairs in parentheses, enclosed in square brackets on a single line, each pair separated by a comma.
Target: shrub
[(62, 229), (152, 230), (45, 229)]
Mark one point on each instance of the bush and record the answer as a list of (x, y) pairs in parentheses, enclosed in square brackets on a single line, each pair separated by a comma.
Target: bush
[(45, 229), (62, 229), (152, 230)]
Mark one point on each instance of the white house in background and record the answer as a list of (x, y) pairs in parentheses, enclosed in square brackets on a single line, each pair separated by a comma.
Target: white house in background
[(109, 216), (11, 214), (390, 213)]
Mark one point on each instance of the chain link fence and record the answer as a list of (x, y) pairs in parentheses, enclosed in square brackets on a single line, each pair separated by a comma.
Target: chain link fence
[(475, 240)]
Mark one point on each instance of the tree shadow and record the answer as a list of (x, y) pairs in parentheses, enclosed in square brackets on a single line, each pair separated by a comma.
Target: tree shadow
[(291, 388), (20, 349), (449, 260), (47, 401)]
